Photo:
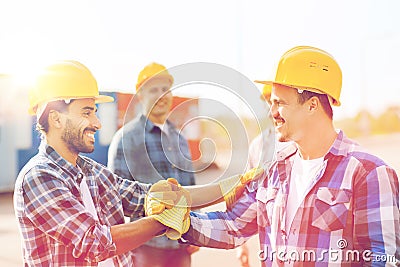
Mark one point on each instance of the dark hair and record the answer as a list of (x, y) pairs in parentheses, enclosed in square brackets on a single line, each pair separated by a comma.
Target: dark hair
[(43, 124), (323, 98)]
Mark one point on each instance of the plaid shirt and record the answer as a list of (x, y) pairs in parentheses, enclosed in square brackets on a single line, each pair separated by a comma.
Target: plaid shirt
[(56, 228), (141, 151), (350, 214)]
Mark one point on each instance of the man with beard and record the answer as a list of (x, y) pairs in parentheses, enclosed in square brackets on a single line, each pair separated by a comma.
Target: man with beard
[(149, 149), (325, 201), (70, 209)]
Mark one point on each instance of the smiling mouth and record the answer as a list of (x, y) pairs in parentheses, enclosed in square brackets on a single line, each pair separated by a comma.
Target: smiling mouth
[(90, 135), (278, 122), (161, 103)]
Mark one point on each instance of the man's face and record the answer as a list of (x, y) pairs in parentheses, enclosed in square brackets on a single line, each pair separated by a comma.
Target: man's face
[(288, 115), (156, 97), (80, 126)]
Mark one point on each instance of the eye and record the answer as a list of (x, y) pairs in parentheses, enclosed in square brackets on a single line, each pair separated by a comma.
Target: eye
[(275, 102), (153, 90), (86, 113)]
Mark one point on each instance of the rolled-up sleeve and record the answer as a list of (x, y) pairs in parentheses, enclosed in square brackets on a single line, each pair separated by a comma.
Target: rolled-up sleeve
[(224, 229)]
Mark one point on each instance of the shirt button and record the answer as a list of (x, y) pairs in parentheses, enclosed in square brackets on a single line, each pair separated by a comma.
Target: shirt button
[(108, 203), (169, 148)]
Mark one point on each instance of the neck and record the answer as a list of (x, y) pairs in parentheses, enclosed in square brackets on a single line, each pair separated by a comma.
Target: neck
[(317, 143), (62, 149), (157, 119)]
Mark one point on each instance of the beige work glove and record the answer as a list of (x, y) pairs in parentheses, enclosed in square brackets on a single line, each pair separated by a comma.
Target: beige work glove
[(233, 187), (169, 203)]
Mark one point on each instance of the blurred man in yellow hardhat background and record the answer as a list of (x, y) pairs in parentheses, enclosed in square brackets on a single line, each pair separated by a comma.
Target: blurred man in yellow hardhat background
[(149, 149)]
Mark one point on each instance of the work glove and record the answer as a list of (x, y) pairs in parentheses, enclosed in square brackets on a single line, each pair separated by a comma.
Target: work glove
[(233, 187), (169, 203)]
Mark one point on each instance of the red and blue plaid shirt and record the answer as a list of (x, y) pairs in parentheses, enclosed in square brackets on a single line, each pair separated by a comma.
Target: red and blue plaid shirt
[(349, 217), (56, 228)]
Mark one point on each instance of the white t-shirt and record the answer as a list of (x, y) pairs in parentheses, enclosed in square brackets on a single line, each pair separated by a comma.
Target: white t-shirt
[(302, 175), (89, 205)]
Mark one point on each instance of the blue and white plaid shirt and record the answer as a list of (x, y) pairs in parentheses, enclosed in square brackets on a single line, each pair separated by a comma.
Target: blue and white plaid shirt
[(56, 228), (141, 151)]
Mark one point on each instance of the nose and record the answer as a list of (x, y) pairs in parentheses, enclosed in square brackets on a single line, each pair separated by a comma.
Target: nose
[(96, 123), (273, 109), (165, 94)]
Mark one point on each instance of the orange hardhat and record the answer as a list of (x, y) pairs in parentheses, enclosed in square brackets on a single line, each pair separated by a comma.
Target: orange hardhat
[(309, 68), (64, 80), (151, 70)]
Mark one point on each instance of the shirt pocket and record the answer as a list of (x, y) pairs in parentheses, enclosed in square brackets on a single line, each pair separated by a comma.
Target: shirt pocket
[(265, 201), (331, 208), (109, 206)]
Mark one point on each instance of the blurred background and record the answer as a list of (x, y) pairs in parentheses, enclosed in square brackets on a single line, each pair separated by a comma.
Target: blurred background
[(115, 40)]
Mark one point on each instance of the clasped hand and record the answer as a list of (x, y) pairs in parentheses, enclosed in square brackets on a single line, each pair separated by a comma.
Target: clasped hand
[(169, 203)]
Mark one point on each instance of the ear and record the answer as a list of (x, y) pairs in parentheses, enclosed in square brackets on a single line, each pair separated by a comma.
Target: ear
[(55, 119), (313, 103)]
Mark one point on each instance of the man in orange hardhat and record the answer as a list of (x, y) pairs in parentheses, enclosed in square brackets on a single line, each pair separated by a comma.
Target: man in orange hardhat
[(149, 149), (325, 200), (70, 209)]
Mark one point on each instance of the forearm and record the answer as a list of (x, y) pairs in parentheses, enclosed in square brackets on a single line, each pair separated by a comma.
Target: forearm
[(131, 235), (205, 195)]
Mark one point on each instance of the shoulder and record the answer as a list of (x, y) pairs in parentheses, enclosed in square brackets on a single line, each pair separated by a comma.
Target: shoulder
[(130, 130), (40, 171), (367, 160), (352, 152), (131, 126)]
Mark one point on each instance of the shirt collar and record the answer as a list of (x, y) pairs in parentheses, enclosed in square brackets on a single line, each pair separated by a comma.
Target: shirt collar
[(50, 153), (342, 146), (149, 125)]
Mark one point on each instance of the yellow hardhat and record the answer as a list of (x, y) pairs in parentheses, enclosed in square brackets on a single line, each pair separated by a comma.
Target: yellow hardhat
[(151, 70), (309, 68), (64, 80)]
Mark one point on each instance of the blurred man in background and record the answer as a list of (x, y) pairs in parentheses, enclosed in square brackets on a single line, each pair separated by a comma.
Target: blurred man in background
[(149, 149)]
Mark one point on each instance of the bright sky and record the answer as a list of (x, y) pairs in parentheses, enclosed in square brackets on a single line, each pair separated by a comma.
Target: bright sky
[(115, 39)]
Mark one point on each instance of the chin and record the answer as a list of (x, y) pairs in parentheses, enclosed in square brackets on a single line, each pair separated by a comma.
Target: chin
[(87, 150), (281, 138)]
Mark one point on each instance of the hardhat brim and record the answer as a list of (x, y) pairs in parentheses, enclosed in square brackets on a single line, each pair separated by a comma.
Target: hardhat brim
[(103, 99), (334, 102), (97, 99)]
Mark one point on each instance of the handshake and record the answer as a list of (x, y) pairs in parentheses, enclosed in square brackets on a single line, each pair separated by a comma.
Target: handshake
[(170, 203)]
